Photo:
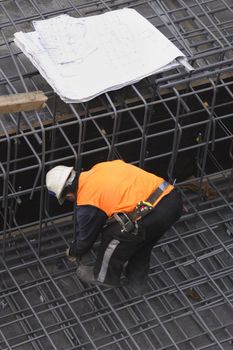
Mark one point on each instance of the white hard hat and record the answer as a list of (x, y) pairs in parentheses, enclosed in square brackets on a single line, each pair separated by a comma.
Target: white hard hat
[(56, 179)]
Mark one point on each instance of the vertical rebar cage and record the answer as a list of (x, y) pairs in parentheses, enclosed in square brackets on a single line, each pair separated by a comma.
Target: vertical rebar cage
[(177, 124)]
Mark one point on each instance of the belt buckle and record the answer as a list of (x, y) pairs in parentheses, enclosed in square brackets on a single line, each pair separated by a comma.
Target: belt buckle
[(126, 223)]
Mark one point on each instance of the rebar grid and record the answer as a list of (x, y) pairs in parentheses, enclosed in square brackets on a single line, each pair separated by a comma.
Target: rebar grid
[(188, 305), (176, 124)]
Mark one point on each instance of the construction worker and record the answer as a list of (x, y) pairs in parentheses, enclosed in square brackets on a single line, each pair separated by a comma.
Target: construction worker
[(131, 208)]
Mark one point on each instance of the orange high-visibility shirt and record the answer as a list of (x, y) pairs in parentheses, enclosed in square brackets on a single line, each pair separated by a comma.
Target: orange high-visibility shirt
[(116, 186)]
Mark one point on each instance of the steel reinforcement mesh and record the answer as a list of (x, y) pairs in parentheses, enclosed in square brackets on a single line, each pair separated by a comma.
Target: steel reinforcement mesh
[(176, 123)]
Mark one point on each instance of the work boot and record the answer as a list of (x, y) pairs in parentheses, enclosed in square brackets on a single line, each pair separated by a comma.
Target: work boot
[(138, 284), (70, 257), (86, 274), (138, 289)]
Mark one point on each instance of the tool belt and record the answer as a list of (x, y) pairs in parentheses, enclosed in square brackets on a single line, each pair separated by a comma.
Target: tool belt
[(129, 221)]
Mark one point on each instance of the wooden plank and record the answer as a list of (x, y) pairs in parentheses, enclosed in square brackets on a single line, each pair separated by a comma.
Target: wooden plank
[(22, 102)]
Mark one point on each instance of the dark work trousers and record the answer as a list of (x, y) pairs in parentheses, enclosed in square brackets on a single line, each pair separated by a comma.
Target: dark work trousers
[(118, 247)]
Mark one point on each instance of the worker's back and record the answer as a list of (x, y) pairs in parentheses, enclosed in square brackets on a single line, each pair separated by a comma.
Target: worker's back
[(116, 186)]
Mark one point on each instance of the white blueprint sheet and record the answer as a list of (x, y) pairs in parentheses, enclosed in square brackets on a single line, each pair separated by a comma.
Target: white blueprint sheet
[(84, 57)]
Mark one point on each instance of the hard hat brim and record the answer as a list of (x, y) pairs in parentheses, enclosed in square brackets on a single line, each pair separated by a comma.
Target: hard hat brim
[(56, 180), (60, 198)]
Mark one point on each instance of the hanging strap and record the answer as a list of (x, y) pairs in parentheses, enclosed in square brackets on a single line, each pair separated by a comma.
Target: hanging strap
[(144, 207), (128, 220)]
